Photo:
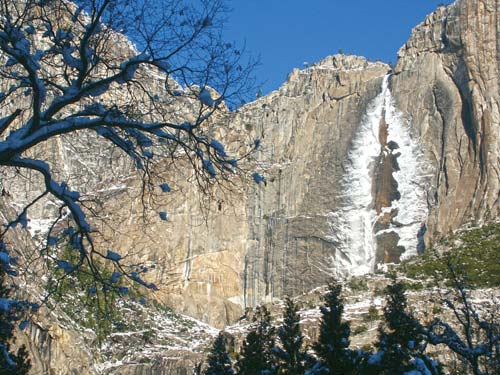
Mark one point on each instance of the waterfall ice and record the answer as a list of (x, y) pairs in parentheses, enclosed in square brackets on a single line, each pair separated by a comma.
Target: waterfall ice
[(352, 225), (412, 178)]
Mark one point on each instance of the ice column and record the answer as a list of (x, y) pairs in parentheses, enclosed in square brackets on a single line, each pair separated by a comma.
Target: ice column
[(352, 225), (412, 178)]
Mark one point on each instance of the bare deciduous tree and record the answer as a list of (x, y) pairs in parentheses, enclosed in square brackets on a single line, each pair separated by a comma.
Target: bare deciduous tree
[(66, 67), (474, 335)]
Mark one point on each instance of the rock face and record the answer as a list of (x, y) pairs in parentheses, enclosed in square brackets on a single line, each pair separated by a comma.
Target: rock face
[(361, 167), (306, 128), (446, 83), (432, 166), (170, 363), (55, 348)]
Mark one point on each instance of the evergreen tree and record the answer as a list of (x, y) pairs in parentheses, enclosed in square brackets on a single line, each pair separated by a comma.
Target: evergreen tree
[(332, 347), (218, 359), (257, 357), (399, 334), (10, 312), (291, 356), (197, 368), (400, 345)]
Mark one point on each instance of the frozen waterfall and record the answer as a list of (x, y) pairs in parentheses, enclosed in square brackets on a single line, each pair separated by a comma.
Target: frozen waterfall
[(412, 179), (352, 226)]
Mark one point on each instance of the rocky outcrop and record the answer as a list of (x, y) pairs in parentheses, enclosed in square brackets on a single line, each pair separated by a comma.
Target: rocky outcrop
[(446, 83), (306, 129), (169, 363), (385, 191), (58, 349), (284, 237), (214, 257)]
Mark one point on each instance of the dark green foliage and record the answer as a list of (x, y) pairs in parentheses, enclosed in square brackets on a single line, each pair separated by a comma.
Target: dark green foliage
[(218, 359), (252, 360), (88, 300), (357, 284), (290, 356), (257, 352), (372, 314), (399, 343), (10, 363), (398, 334), (475, 254), (21, 360), (360, 329), (332, 347)]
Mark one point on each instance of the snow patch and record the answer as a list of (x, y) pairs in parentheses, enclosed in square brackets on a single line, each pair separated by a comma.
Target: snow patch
[(39, 226)]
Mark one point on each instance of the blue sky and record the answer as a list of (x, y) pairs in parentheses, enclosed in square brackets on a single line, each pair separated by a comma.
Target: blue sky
[(287, 33)]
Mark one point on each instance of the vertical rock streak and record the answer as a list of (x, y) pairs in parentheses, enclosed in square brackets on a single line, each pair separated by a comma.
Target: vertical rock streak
[(353, 225)]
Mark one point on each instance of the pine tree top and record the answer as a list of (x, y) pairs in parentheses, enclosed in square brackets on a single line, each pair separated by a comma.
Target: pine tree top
[(332, 347), (218, 359)]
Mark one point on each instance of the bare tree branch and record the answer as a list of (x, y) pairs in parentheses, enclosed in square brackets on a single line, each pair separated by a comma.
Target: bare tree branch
[(67, 68)]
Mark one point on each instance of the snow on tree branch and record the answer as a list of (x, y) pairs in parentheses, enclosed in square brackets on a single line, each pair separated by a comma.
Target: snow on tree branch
[(67, 67), (475, 337)]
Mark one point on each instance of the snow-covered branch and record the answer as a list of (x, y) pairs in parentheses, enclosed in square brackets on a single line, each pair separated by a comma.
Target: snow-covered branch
[(58, 190), (69, 68), (475, 338)]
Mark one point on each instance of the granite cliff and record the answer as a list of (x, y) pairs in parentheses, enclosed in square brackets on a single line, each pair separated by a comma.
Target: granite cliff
[(446, 83), (434, 167), (364, 164)]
